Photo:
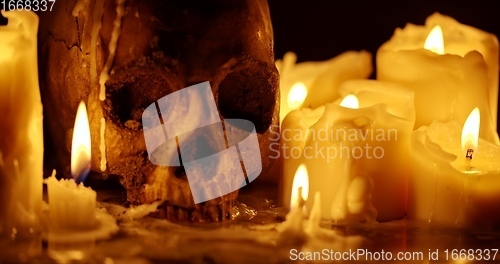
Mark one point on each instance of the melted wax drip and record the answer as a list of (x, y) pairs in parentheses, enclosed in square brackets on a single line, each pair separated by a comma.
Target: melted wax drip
[(115, 35), (102, 146), (104, 77)]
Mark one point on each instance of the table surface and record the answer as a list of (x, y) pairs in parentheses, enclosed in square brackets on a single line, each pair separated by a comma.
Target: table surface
[(252, 238)]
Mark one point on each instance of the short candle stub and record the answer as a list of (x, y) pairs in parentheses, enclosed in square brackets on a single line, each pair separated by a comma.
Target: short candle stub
[(468, 159)]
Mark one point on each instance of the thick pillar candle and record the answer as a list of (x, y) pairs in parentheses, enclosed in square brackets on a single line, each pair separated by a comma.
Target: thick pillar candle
[(444, 189), (447, 86), (346, 152), (21, 135), (312, 84), (293, 136)]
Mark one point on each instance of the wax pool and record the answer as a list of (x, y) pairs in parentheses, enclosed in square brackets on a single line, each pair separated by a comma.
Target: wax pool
[(21, 136)]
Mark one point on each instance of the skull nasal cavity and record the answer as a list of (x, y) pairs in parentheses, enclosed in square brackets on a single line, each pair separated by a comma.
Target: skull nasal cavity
[(179, 172), (197, 148), (249, 94)]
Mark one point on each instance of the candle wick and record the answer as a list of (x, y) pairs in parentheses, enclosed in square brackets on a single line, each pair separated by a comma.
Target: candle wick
[(468, 159), (300, 199)]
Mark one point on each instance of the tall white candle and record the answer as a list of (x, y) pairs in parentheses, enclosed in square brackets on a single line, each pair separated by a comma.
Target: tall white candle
[(21, 135)]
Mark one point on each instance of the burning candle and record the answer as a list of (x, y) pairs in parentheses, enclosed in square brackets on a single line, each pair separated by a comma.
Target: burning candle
[(346, 148), (21, 136), (72, 206), (312, 84), (292, 230), (296, 228), (313, 226), (300, 193), (293, 137), (450, 66), (455, 176)]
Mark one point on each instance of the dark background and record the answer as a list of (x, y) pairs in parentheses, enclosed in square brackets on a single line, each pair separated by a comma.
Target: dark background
[(319, 30), (322, 29)]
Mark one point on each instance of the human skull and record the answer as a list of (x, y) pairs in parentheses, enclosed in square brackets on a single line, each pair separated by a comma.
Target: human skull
[(163, 46)]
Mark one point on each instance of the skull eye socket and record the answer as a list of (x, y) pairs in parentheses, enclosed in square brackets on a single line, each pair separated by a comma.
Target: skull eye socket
[(250, 94), (128, 95), (126, 106)]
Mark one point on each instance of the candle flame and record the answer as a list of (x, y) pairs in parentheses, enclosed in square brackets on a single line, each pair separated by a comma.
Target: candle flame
[(297, 95), (350, 101), (80, 147), (470, 132), (434, 41), (300, 180)]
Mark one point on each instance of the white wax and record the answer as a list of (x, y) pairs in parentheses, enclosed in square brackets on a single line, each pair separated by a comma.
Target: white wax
[(71, 206), (105, 75), (447, 87), (21, 134), (292, 230), (115, 35), (313, 224), (351, 171), (141, 210), (320, 78), (349, 65), (102, 145), (442, 191)]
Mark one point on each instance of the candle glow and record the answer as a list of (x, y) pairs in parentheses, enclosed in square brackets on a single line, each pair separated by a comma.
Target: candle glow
[(434, 41), (300, 180), (80, 147), (71, 204), (297, 95), (311, 137), (452, 79), (350, 101), (470, 132)]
